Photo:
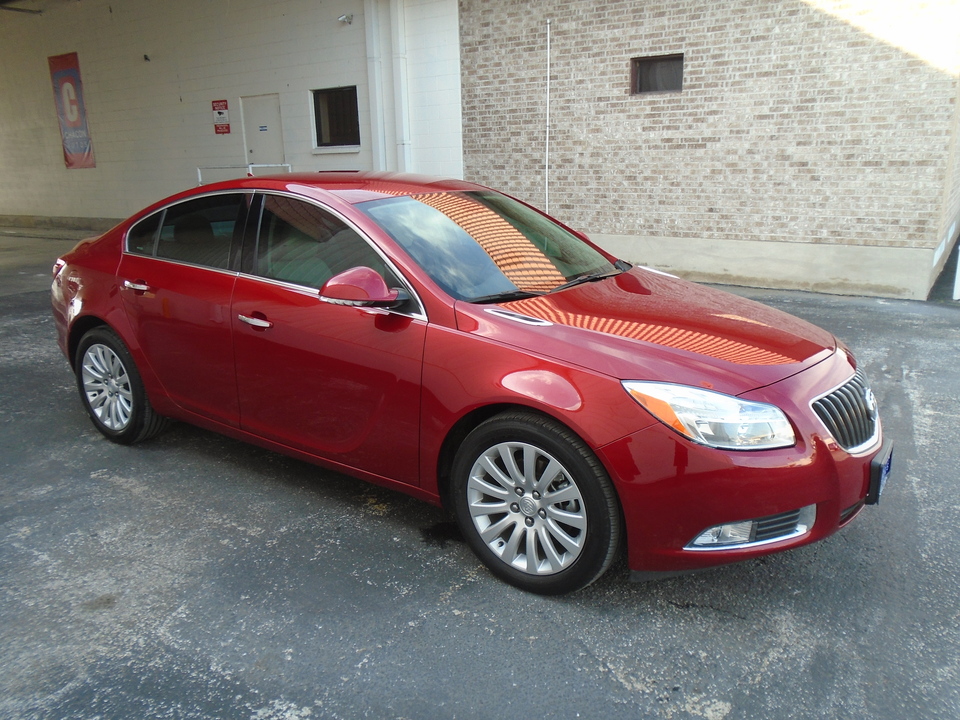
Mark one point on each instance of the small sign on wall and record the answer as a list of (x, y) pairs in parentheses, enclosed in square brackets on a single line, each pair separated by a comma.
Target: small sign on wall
[(221, 117)]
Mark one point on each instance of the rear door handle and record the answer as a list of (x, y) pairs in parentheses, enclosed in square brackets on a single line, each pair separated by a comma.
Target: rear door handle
[(261, 323), (138, 286)]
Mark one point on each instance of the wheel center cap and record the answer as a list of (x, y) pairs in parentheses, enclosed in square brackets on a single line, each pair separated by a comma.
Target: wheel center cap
[(529, 506)]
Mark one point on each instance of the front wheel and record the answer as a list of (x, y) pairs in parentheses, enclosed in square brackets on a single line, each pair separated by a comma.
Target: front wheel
[(535, 504), (111, 389)]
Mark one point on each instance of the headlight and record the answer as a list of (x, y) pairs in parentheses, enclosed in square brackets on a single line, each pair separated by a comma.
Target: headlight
[(712, 418)]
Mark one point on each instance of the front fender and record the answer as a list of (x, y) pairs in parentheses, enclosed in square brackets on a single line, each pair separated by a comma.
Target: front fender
[(464, 373)]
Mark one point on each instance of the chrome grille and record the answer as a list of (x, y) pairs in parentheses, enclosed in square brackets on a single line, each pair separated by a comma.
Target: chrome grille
[(850, 413)]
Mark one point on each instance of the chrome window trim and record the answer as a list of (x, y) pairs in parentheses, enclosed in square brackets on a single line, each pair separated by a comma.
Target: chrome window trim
[(517, 317), (420, 313), (314, 293), (184, 263), (162, 211)]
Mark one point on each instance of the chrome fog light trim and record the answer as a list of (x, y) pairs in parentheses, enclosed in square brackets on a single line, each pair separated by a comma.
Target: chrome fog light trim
[(753, 533)]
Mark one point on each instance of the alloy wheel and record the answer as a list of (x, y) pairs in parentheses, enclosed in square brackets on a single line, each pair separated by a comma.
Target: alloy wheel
[(107, 387), (527, 508)]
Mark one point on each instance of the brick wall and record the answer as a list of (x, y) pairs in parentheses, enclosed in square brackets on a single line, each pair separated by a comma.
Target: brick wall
[(792, 127)]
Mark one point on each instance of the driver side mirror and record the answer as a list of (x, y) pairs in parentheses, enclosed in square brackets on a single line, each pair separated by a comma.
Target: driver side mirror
[(361, 287)]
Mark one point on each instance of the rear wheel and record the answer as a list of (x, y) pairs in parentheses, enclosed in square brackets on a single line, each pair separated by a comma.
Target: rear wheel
[(111, 389), (535, 504)]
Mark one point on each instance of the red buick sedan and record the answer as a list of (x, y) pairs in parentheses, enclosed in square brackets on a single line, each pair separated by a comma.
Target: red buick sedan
[(451, 342)]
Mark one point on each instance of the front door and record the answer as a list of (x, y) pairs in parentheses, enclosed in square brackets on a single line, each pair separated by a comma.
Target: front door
[(339, 382)]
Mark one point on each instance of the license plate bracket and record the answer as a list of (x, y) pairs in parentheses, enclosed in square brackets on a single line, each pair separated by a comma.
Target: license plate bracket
[(880, 473)]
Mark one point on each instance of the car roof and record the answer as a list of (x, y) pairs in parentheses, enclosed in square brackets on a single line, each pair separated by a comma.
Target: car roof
[(351, 187)]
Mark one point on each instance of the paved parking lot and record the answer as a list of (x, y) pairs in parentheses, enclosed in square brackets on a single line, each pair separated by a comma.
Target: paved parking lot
[(196, 577)]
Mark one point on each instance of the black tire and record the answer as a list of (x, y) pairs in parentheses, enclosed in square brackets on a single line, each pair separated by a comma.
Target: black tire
[(524, 479), (111, 389)]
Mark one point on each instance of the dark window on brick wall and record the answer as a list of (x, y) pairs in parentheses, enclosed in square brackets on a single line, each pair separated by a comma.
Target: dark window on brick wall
[(663, 73), (336, 116)]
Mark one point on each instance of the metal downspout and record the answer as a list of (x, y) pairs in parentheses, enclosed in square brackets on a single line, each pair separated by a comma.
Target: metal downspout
[(400, 85), (371, 22)]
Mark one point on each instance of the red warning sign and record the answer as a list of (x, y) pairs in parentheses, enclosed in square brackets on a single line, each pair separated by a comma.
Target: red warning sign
[(221, 117)]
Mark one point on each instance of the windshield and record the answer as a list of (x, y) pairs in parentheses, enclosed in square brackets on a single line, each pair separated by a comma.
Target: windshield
[(484, 246)]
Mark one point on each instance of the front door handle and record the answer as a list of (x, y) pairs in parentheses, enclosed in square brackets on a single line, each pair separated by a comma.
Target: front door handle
[(138, 286), (260, 323)]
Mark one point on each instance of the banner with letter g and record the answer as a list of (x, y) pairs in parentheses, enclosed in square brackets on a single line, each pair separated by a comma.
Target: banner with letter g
[(68, 93)]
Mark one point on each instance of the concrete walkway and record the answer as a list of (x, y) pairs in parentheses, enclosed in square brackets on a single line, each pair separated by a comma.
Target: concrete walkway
[(27, 256)]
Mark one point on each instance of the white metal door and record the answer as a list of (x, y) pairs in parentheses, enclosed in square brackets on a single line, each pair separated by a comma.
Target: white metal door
[(262, 133)]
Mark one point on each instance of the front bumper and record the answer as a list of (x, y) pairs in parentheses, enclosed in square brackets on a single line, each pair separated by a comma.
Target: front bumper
[(672, 490)]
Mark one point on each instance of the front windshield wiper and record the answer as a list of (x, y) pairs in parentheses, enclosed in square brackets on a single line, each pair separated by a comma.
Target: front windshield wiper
[(504, 296), (587, 277)]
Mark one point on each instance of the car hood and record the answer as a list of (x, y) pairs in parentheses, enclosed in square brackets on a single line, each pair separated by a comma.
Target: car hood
[(645, 325)]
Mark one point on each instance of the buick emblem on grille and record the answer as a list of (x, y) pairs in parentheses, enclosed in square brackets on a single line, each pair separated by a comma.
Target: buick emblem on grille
[(871, 402)]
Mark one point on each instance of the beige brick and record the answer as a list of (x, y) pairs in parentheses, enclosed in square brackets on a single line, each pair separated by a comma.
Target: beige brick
[(792, 125)]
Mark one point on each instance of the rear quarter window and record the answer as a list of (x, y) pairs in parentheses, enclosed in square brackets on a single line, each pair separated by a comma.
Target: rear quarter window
[(142, 237)]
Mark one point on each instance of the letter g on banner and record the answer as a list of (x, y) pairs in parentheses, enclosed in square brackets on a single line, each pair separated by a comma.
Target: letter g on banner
[(68, 97)]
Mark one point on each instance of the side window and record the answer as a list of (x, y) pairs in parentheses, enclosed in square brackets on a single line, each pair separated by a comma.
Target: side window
[(200, 231), (303, 244), (143, 236), (336, 117)]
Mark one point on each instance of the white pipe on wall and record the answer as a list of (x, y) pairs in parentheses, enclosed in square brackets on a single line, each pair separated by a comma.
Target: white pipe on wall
[(398, 29), (546, 158), (371, 22)]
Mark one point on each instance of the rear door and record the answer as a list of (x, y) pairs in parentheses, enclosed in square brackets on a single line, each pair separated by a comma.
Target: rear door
[(177, 277), (339, 382)]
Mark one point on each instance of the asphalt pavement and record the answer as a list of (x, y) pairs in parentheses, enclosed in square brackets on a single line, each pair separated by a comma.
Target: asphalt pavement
[(197, 577)]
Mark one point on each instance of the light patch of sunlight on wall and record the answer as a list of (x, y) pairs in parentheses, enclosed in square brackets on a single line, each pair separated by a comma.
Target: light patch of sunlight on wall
[(928, 29)]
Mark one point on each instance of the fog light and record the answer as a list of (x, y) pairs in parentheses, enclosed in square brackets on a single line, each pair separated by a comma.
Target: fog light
[(731, 534)]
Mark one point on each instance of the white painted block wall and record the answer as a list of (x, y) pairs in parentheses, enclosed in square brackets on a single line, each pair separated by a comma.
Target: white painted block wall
[(151, 120), (433, 64)]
